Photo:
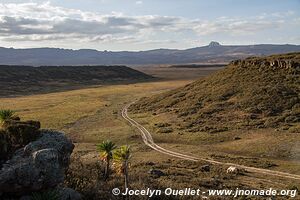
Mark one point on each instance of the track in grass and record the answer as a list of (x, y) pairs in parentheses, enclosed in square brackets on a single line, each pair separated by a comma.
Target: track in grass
[(148, 140)]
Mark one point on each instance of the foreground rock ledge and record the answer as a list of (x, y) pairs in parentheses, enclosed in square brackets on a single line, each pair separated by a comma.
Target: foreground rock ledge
[(40, 165)]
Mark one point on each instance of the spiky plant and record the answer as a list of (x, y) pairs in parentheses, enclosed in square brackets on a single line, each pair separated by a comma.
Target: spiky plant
[(121, 161), (106, 154), (6, 114)]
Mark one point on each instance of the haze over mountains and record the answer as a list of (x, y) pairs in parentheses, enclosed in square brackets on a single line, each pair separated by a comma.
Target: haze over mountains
[(212, 53)]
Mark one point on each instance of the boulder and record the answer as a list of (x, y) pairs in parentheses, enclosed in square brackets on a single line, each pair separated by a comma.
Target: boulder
[(15, 134), (156, 172), (205, 168), (68, 193), (39, 165)]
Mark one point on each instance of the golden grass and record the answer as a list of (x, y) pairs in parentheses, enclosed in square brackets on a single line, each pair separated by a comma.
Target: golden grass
[(92, 115), (92, 111)]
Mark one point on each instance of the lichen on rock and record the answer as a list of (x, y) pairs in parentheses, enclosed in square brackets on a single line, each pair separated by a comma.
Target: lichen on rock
[(39, 165)]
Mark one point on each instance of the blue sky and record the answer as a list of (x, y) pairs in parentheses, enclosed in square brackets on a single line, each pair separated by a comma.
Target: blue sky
[(147, 24)]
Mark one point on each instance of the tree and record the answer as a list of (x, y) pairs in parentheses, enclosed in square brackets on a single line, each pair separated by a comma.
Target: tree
[(106, 154), (121, 157)]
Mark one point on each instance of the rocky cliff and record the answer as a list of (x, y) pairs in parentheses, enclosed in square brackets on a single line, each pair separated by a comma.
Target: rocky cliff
[(38, 166)]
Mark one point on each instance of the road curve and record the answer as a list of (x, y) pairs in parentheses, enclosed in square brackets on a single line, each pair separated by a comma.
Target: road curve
[(148, 140)]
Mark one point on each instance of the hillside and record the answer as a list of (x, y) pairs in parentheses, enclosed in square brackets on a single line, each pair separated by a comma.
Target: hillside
[(27, 80), (212, 53), (257, 92)]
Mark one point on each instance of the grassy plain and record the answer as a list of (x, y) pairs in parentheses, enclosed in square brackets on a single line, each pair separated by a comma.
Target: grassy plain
[(91, 115)]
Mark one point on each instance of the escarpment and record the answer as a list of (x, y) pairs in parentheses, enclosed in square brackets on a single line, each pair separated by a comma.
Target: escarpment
[(257, 92)]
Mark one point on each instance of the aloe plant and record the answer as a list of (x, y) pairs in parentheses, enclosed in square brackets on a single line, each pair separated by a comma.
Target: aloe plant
[(106, 154), (6, 114), (121, 161)]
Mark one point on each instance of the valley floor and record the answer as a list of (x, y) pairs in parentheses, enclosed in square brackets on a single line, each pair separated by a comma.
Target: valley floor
[(89, 116)]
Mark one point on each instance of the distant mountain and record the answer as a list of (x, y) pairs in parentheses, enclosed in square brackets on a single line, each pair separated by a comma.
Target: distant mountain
[(24, 80), (257, 92), (212, 53)]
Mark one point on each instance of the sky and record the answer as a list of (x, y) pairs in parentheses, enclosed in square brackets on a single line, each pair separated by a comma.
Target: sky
[(134, 25)]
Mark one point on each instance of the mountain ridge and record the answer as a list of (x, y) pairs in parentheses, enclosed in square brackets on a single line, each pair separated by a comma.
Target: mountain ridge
[(212, 53)]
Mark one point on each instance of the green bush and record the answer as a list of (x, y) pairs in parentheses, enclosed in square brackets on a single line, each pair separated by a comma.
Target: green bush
[(21, 133), (6, 114), (15, 134)]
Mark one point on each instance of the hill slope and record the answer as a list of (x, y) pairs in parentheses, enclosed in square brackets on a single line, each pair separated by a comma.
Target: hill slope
[(251, 93), (23, 79), (212, 53)]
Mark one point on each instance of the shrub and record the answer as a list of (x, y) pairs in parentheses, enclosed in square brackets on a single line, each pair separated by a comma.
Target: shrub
[(21, 133), (15, 134), (165, 130), (46, 195), (162, 125), (294, 129), (292, 119), (6, 114)]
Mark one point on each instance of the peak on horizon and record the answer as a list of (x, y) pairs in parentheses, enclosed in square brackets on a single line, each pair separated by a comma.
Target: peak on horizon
[(212, 53), (119, 26), (214, 44)]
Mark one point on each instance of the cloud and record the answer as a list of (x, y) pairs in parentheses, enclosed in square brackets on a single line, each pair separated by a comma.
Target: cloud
[(236, 26), (43, 21), (46, 22), (139, 2)]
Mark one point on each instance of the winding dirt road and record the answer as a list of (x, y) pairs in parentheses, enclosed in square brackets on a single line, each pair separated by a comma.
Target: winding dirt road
[(148, 140)]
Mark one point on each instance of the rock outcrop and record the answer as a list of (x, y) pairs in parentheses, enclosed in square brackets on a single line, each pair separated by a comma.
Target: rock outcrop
[(274, 63), (214, 44), (15, 134), (254, 93), (38, 166)]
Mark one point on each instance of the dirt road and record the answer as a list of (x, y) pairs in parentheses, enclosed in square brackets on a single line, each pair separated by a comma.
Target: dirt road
[(148, 140)]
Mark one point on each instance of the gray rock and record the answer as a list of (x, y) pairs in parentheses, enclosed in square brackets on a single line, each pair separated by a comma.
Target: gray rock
[(41, 164), (205, 168), (156, 172), (69, 194)]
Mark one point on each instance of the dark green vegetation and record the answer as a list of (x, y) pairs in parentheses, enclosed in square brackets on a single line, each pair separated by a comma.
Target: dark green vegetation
[(46, 195), (121, 157), (6, 115), (251, 93), (106, 154), (15, 134), (23, 80), (87, 178)]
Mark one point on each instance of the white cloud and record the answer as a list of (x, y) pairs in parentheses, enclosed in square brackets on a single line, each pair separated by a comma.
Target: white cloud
[(45, 22), (139, 2), (236, 26)]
